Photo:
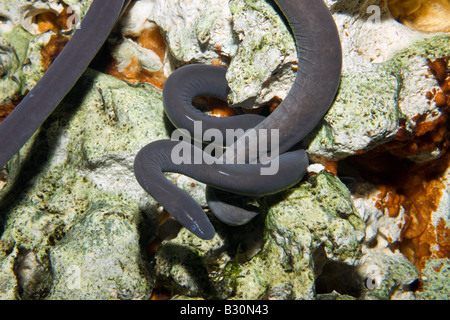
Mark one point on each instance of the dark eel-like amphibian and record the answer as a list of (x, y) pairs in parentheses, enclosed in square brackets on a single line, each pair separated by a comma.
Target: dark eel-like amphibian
[(64, 72), (319, 69), (318, 77)]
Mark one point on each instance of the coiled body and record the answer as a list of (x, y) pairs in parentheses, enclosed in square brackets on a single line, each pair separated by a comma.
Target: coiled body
[(319, 54), (320, 63)]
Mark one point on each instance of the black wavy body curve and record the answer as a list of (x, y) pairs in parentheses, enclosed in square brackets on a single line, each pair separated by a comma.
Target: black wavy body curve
[(320, 62), (320, 59), (62, 75)]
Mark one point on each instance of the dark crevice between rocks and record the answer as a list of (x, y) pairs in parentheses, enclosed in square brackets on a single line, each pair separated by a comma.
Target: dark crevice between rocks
[(334, 276), (193, 264)]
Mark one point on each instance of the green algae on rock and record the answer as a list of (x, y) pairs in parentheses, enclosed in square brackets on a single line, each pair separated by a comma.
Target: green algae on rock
[(265, 55), (387, 275), (369, 105), (73, 216), (410, 66), (435, 280), (18, 76), (20, 55), (365, 114), (195, 32), (316, 215), (82, 157), (431, 47), (99, 257)]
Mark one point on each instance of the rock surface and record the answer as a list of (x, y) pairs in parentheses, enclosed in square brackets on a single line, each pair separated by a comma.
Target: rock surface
[(75, 224), (71, 196)]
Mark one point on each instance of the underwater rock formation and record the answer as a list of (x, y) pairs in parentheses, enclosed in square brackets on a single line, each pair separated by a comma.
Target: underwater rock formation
[(70, 205), (422, 15), (306, 229)]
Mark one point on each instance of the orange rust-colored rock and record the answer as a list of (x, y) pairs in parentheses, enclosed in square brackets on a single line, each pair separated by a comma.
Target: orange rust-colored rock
[(422, 15), (433, 242), (53, 48), (441, 99), (432, 134), (330, 165), (422, 199), (150, 39), (214, 106), (427, 136), (221, 109), (216, 63), (63, 19), (389, 201), (5, 110), (161, 293), (443, 240), (47, 21), (445, 86), (153, 39), (274, 103), (439, 68), (416, 187), (135, 73)]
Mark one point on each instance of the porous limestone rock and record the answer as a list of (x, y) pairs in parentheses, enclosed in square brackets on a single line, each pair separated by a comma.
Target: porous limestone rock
[(262, 67), (311, 229), (99, 257), (274, 259), (73, 215), (436, 280), (380, 227), (368, 32), (384, 79), (195, 31), (21, 42), (24, 13), (263, 63), (128, 50), (364, 114), (72, 198), (17, 49), (410, 65), (195, 268), (266, 55), (388, 275)]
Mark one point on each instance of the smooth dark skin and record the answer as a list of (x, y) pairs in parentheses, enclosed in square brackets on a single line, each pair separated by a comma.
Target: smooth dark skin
[(314, 89), (319, 51), (155, 158), (62, 75)]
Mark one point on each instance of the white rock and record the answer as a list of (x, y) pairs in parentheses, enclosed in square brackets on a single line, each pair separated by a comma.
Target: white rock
[(128, 51), (195, 31)]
